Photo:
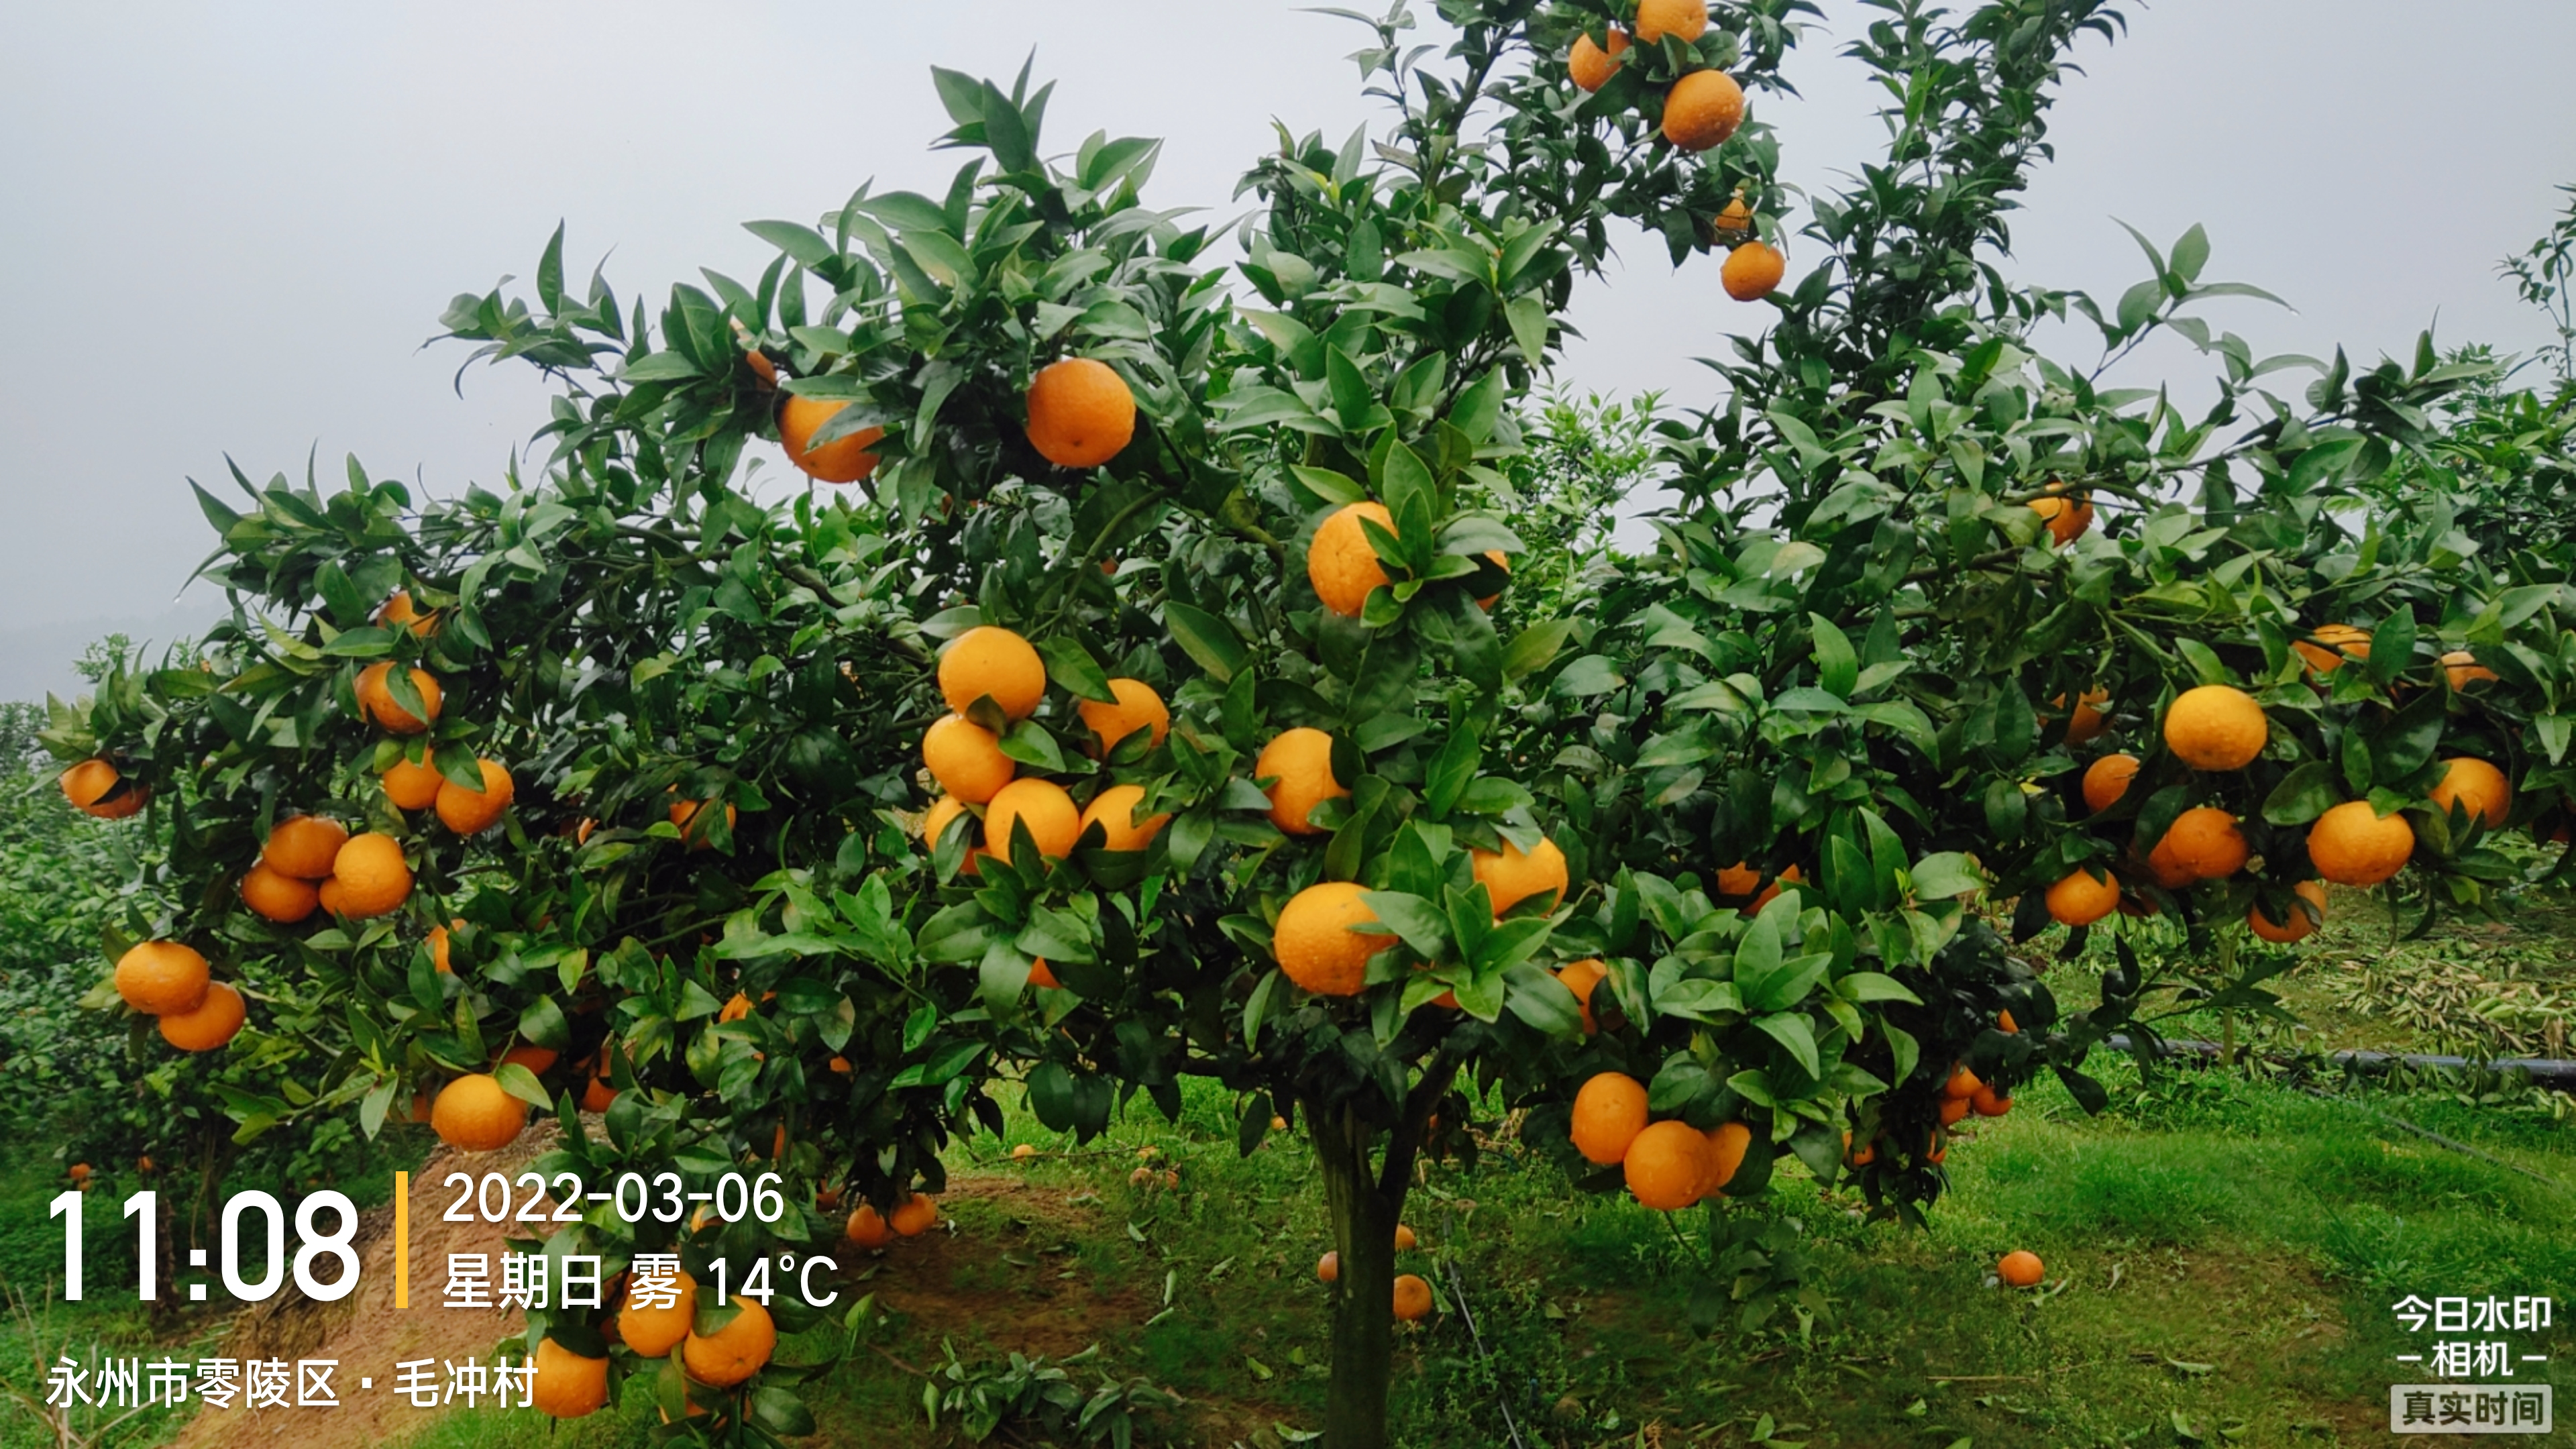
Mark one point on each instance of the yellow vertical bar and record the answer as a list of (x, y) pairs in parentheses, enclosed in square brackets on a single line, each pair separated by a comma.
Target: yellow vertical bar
[(402, 1240)]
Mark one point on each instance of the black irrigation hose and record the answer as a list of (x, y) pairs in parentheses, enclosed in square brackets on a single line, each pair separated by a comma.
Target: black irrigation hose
[(2541, 1069), (2548, 1071)]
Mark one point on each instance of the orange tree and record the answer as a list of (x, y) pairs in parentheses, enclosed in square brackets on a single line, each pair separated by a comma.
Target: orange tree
[(1127, 708)]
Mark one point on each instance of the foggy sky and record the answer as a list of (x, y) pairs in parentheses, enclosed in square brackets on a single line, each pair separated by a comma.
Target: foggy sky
[(227, 230)]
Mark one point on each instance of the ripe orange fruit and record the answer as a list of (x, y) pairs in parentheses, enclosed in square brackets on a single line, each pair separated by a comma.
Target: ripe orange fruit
[(156, 977), (1043, 975), (371, 876), (653, 1332), (278, 896), (538, 1060), (2334, 643), (943, 813), (210, 1024), (685, 813), (1328, 1268), (1315, 943), (2067, 515), (2203, 843), (471, 812), (567, 1385), (1727, 1144), (376, 700), (734, 1352), (1404, 1238), (1962, 1084), (413, 787), (1341, 563), (1701, 111), (2300, 922), (1753, 269), (304, 846), (1580, 977), (2351, 845), (1738, 879), (1609, 1112), (1990, 1103), (1510, 877), (2005, 1024), (2216, 727), (327, 892), (867, 1227), (2463, 669), (87, 784), (2081, 898), (1138, 708), (996, 662), (736, 1007), (438, 949), (598, 1096), (1412, 1297), (1683, 20), (1080, 413), (1114, 809), (474, 1114), (1500, 560), (966, 759), (2477, 787), (2088, 719), (2020, 1269), (1053, 822), (914, 1216), (843, 460), (1792, 876), (1735, 222), (1665, 1165), (1299, 763), (2107, 779), (400, 613), (1954, 1110), (1591, 66), (1863, 1156)]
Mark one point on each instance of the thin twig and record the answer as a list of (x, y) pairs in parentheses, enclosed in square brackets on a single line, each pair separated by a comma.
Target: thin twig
[(1458, 1292)]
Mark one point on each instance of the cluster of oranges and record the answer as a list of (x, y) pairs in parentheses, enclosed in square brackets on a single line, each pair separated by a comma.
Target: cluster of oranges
[(912, 1217), (992, 666), (1670, 1165), (1081, 414), (171, 981), (1702, 108), (1412, 1290), (2218, 728), (1962, 1093), (569, 1385), (1321, 938)]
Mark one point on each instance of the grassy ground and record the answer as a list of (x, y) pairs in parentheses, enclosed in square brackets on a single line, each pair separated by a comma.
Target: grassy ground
[(2221, 1257), (2221, 1253)]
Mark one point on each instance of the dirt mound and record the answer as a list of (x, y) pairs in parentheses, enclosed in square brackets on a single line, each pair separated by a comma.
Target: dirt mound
[(364, 1332)]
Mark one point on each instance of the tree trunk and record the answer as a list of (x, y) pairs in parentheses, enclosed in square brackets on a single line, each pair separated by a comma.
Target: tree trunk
[(1366, 1201), (1364, 1220)]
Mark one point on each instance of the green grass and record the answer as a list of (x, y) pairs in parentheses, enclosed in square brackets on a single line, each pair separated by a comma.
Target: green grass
[(2221, 1256)]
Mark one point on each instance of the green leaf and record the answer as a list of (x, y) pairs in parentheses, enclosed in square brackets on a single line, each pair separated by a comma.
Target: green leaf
[(1206, 638), (1420, 924), (1793, 1031), (1837, 663), (1073, 669), (2303, 794), (1946, 875), (1536, 647), (1528, 318)]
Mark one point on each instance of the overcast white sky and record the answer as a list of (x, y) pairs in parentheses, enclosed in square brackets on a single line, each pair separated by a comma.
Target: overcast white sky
[(228, 229)]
